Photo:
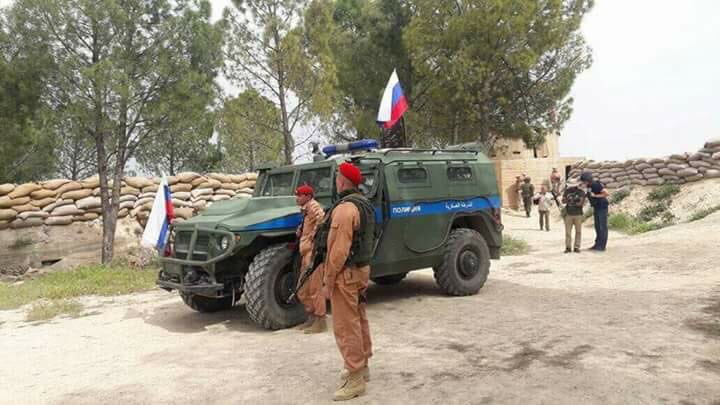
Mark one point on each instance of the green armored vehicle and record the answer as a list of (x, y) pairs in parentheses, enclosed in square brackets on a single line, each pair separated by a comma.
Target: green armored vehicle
[(433, 208)]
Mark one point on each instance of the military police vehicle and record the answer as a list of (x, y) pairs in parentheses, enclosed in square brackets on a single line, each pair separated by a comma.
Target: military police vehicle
[(434, 208)]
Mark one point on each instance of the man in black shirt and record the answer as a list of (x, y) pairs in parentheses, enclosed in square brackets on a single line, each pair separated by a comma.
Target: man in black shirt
[(598, 196)]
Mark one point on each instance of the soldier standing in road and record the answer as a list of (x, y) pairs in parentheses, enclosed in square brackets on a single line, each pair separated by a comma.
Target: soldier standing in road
[(349, 226), (527, 190), (312, 217), (574, 200)]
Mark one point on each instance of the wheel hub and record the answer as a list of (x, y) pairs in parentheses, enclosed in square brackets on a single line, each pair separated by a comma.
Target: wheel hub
[(469, 263), (284, 287)]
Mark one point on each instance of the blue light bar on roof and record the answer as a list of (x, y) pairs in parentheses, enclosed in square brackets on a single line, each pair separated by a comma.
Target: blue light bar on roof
[(364, 144)]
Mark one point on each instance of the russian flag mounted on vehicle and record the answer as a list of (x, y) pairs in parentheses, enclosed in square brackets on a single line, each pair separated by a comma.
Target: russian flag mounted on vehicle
[(393, 104), (157, 228)]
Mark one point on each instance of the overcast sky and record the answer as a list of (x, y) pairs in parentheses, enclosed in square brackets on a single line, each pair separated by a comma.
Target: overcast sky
[(654, 84)]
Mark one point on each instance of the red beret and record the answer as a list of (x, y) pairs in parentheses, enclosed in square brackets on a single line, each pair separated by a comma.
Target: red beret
[(305, 189), (351, 172)]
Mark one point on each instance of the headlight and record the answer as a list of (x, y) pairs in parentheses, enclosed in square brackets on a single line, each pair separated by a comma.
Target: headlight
[(224, 243)]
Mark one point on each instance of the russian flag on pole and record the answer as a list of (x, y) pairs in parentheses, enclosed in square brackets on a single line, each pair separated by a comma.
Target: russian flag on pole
[(157, 228), (393, 104)]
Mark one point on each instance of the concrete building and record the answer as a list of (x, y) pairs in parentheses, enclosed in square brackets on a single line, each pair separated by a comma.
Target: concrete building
[(513, 158)]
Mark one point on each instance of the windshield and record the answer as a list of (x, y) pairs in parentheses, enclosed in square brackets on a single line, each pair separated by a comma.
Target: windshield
[(320, 179), (278, 184)]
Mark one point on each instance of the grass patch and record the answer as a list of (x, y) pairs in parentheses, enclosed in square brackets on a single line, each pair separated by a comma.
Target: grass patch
[(618, 196), (632, 225), (663, 193), (698, 215), (89, 280), (513, 246), (44, 310), (21, 242)]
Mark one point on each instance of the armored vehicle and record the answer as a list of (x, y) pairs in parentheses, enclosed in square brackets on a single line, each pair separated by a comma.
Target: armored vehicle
[(435, 208)]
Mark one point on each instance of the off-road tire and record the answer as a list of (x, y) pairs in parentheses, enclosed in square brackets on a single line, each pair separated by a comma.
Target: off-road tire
[(206, 304), (389, 280), (449, 275), (262, 305)]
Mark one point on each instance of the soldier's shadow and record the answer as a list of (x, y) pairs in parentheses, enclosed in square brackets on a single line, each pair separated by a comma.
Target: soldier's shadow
[(416, 284)]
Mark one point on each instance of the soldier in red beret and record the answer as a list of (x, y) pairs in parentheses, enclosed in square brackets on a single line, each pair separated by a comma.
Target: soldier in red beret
[(349, 223), (313, 215)]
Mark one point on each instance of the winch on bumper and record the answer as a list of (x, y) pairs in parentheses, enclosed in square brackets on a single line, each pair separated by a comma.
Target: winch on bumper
[(192, 269)]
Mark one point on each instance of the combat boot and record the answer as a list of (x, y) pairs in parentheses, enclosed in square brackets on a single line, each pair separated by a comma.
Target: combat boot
[(308, 322), (318, 326), (365, 373), (353, 387)]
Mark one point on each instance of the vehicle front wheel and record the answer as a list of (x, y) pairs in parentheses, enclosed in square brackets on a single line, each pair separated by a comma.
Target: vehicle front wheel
[(466, 263), (268, 284), (206, 304)]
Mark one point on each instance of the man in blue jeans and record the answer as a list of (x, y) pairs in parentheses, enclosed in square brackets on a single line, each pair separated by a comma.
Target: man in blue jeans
[(598, 196)]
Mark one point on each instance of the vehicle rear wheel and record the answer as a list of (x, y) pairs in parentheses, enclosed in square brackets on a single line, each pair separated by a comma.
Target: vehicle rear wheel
[(268, 284), (206, 304), (466, 263), (389, 280)]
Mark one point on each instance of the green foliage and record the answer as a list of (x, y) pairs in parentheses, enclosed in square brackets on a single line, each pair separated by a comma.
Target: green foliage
[(653, 211), (701, 214), (487, 69), (248, 132), (513, 246), (280, 49), (664, 192), (631, 225), (89, 280), (45, 310), (619, 195)]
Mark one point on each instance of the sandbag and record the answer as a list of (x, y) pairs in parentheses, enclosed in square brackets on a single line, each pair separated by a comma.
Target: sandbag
[(180, 203), (613, 185), (6, 188), (42, 203), (138, 182), (187, 177), (716, 156), (42, 193), (220, 197), (699, 156), (57, 203), (64, 220), (129, 190), (651, 170), (143, 201), (666, 172), (24, 190), (636, 177), (69, 186), (229, 186), (150, 189), (660, 165), (7, 202), (252, 176), (182, 195), (88, 216), (199, 205), (676, 167), (197, 181), (697, 177), (54, 184), (33, 214), (687, 172), (656, 182), (238, 178), (127, 204), (713, 143), (4, 225), (172, 180), (247, 191), (26, 223), (712, 174), (181, 187), (127, 197), (123, 213), (222, 178), (77, 194), (25, 208), (185, 213), (642, 166), (699, 163), (210, 183), (229, 193), (66, 210), (7, 214), (147, 195), (201, 191), (91, 182), (670, 178), (651, 176), (88, 202), (242, 195), (656, 161)]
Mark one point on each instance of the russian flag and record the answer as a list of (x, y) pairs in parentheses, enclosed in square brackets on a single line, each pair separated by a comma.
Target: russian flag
[(157, 228), (393, 104)]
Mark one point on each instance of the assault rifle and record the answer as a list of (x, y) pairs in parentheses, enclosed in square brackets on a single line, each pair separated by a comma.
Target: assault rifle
[(318, 258)]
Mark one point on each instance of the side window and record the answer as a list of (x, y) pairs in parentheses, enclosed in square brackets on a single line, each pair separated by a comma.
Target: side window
[(412, 175), (460, 173), (320, 179), (278, 184)]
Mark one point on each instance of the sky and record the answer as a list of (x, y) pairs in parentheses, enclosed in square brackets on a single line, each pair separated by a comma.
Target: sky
[(654, 85)]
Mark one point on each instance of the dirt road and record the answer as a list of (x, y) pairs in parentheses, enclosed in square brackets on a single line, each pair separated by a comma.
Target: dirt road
[(638, 324)]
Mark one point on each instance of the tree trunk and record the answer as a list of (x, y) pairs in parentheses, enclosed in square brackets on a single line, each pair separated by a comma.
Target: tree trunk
[(456, 127), (287, 136)]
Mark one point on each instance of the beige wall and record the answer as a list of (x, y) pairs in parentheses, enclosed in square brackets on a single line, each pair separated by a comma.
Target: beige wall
[(537, 169), (516, 149)]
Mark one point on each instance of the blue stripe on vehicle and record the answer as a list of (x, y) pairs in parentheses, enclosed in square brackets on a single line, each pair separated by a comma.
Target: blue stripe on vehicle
[(416, 209), (397, 210)]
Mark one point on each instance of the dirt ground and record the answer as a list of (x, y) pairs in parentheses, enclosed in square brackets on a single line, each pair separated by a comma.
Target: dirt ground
[(639, 324)]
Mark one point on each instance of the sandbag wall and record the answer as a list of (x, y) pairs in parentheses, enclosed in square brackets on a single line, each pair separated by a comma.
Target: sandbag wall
[(674, 169), (62, 202)]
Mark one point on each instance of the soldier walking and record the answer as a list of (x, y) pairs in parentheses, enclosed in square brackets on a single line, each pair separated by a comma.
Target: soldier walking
[(527, 190), (312, 217), (348, 234)]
